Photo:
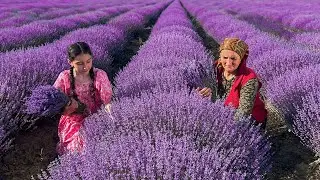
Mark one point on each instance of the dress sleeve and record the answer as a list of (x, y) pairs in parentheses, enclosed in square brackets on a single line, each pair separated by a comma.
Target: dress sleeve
[(60, 82), (247, 97), (104, 86)]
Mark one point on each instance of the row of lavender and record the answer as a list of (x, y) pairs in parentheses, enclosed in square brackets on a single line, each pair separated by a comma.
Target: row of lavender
[(289, 71), (8, 10), (297, 16), (15, 19), (104, 40), (19, 18), (14, 6), (299, 22), (158, 129), (40, 32)]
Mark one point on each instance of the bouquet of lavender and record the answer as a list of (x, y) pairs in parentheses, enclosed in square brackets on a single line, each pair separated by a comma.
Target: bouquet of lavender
[(198, 75), (46, 101)]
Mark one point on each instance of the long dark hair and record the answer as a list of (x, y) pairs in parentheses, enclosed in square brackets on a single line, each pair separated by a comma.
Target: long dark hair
[(74, 50)]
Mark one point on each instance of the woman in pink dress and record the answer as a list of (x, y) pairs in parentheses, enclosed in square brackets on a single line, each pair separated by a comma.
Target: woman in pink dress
[(88, 88)]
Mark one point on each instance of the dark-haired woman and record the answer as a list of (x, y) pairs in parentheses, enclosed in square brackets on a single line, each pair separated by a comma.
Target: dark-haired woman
[(88, 88)]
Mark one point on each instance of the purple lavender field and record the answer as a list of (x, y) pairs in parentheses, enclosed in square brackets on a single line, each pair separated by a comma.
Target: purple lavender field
[(156, 52)]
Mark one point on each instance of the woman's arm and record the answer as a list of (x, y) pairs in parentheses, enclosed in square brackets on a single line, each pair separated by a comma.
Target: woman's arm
[(107, 107), (247, 97), (71, 107), (204, 92)]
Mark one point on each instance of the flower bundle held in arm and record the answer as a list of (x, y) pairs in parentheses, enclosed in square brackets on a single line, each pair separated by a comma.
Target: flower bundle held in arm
[(46, 101)]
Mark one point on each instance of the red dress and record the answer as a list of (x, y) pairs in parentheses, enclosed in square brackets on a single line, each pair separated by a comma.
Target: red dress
[(69, 125)]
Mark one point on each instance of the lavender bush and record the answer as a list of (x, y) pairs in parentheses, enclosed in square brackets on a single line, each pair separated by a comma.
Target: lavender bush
[(299, 82), (139, 156), (307, 120), (298, 100), (167, 135)]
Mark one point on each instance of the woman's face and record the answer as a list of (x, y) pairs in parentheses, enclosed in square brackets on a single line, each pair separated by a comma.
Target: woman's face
[(82, 63), (230, 60)]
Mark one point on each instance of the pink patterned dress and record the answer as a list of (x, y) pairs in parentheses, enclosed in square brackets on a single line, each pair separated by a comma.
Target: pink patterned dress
[(69, 125)]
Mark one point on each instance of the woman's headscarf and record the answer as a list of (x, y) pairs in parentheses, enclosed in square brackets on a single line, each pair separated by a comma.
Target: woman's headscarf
[(236, 45)]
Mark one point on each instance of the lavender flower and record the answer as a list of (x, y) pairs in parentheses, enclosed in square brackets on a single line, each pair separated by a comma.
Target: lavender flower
[(197, 75), (46, 101)]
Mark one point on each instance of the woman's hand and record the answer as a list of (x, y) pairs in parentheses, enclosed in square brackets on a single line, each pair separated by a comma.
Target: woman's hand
[(71, 107), (204, 92), (107, 107)]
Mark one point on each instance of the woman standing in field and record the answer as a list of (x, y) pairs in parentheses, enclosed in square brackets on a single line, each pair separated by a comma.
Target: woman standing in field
[(238, 85), (88, 88)]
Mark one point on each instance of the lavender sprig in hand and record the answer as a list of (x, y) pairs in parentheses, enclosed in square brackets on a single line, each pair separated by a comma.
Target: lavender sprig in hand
[(200, 76), (46, 101)]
